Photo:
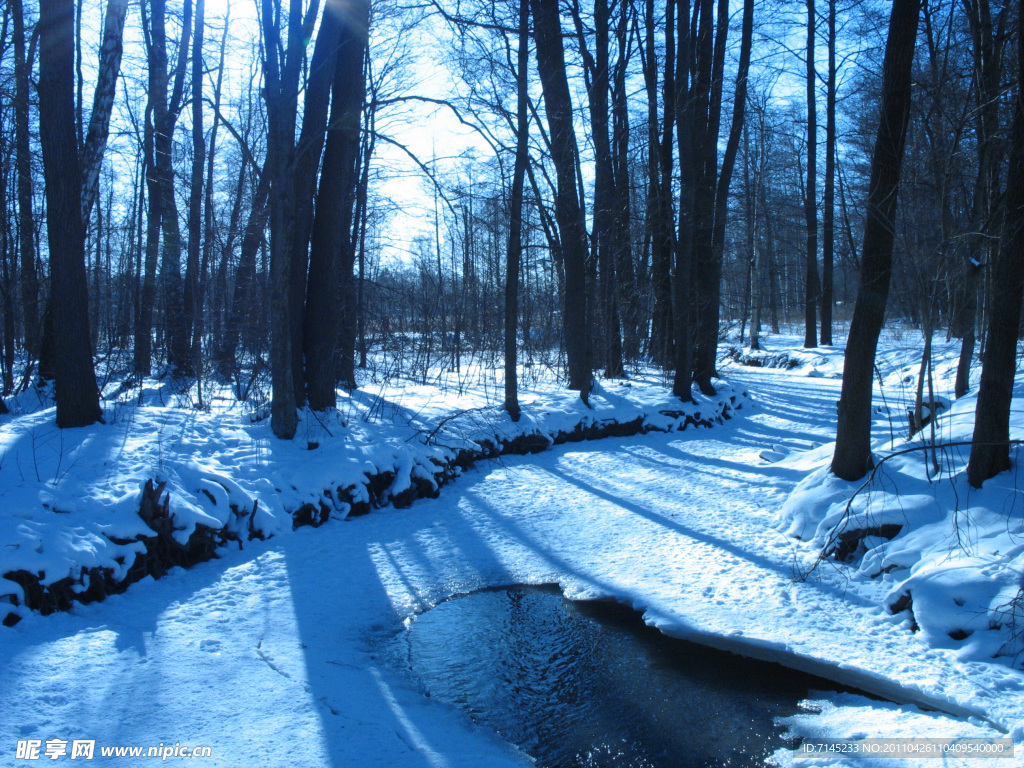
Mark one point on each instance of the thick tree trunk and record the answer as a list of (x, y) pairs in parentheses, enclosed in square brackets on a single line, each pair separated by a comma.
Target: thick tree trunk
[(282, 66), (707, 265), (308, 155), (990, 449), (329, 291), (568, 210), (987, 40), (852, 458), (75, 381)]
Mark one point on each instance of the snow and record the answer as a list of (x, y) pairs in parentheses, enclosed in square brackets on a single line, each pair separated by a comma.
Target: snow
[(272, 653)]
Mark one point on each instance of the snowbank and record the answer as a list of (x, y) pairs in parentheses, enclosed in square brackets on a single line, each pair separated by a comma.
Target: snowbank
[(950, 557), (87, 512)]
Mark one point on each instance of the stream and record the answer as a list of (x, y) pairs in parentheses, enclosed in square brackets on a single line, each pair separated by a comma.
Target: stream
[(589, 684)]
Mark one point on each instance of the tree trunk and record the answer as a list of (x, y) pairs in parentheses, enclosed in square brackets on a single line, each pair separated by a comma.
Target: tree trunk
[(735, 134), (627, 296), (515, 232), (987, 39), (828, 226), (103, 102), (990, 449), (852, 458), (195, 202), (568, 210), (161, 117), (308, 154), (709, 64), (241, 311), (686, 132), (811, 191), (282, 65), (659, 183), (23, 161), (75, 381), (604, 181), (332, 256)]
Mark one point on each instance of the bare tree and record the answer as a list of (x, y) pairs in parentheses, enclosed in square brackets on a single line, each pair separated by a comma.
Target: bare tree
[(330, 291), (23, 160), (75, 381), (282, 68), (852, 458), (811, 188), (515, 231), (568, 208), (111, 49), (990, 448)]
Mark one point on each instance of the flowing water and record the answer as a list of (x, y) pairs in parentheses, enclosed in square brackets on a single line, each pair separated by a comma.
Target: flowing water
[(589, 684)]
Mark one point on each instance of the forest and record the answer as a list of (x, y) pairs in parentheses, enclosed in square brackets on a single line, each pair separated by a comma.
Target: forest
[(673, 345), (207, 194)]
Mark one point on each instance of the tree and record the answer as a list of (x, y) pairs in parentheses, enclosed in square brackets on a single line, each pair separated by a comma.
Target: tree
[(990, 445), (190, 296), (829, 196), (852, 458), (568, 210), (659, 216), (330, 293), (811, 190), (23, 160), (75, 380), (162, 112), (103, 101), (704, 184), (282, 67), (515, 231), (987, 43)]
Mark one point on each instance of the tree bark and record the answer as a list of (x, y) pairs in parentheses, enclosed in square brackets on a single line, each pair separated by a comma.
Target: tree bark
[(103, 102), (604, 182), (515, 231), (308, 154), (990, 448), (190, 300), (828, 214), (568, 210), (852, 458), (659, 182), (987, 36), (811, 191), (685, 101), (23, 161), (75, 381), (332, 256)]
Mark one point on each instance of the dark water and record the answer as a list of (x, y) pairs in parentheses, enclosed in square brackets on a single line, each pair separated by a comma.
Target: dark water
[(588, 684)]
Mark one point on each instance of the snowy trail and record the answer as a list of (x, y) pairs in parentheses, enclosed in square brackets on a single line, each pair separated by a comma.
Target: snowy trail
[(270, 656)]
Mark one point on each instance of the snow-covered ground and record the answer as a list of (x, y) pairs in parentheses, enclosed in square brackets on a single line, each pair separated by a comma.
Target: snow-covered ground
[(271, 654)]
